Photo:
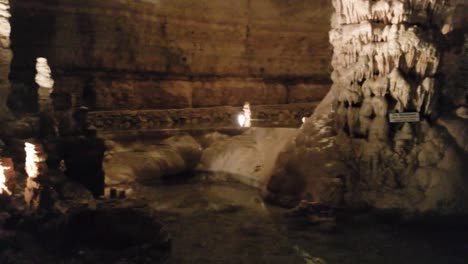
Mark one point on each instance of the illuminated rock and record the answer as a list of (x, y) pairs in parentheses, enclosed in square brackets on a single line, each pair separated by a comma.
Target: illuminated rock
[(384, 62), (36, 192), (5, 59), (247, 114), (250, 157), (35, 160), (46, 85), (7, 177)]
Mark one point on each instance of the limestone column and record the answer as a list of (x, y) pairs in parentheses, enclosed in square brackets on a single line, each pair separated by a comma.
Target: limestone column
[(46, 84), (6, 56), (386, 61), (5, 179), (36, 194)]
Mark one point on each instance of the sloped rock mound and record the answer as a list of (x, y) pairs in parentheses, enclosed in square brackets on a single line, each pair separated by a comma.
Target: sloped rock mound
[(139, 162), (250, 157)]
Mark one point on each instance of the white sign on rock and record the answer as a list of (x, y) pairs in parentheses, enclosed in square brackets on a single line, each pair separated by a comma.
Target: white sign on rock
[(404, 117)]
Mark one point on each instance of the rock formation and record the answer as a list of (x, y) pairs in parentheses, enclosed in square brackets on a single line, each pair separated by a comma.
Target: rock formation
[(387, 57), (5, 58), (36, 193), (7, 175), (249, 158), (150, 162), (46, 85), (134, 55)]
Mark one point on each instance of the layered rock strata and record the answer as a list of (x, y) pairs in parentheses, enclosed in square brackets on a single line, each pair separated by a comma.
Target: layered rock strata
[(134, 55), (289, 115)]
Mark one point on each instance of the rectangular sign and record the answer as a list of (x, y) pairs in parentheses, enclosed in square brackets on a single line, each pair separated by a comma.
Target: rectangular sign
[(404, 117)]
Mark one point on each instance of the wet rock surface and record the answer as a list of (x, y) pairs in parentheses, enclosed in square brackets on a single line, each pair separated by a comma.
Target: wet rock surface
[(211, 220), (81, 229)]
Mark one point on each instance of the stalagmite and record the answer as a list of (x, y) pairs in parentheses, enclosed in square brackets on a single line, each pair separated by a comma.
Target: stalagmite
[(3, 181), (353, 120), (46, 85), (367, 108), (399, 89), (403, 138), (380, 106), (364, 124), (36, 194), (6, 56), (424, 95), (378, 130)]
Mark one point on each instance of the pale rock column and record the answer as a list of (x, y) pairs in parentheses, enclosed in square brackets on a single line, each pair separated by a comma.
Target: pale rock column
[(6, 56), (46, 84), (36, 193)]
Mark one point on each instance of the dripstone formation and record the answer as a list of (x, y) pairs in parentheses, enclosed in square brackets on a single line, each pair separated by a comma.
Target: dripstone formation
[(5, 58), (387, 59)]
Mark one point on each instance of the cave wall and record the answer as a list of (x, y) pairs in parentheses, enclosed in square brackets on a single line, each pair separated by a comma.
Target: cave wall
[(122, 55)]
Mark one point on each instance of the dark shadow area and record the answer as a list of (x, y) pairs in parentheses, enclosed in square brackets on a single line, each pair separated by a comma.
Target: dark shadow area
[(31, 37)]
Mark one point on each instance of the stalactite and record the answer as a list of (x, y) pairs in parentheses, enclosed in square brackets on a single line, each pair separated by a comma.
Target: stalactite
[(373, 51), (386, 61)]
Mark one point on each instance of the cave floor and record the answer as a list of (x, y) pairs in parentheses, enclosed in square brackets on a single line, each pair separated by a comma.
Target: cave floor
[(218, 221), (212, 219)]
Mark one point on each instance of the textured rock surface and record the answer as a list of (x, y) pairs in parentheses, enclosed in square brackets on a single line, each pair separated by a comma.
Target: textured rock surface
[(455, 62), (348, 152), (116, 55), (5, 58), (147, 162), (289, 115), (250, 157)]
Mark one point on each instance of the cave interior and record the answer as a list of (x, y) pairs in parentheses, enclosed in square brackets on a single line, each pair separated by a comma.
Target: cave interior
[(234, 131)]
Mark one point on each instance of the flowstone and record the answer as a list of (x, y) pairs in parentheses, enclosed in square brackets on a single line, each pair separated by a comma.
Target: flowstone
[(386, 60)]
